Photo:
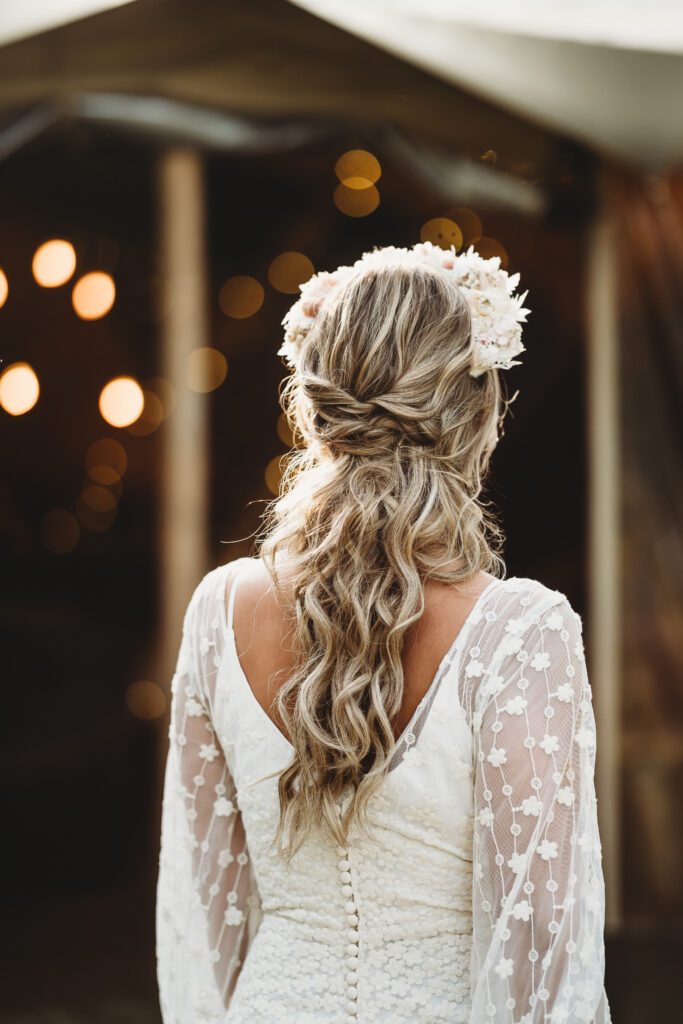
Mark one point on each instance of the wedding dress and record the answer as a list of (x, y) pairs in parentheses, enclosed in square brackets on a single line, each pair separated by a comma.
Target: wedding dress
[(478, 900)]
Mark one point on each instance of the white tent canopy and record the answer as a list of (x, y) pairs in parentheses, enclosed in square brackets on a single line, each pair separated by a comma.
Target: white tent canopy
[(22, 18), (608, 72)]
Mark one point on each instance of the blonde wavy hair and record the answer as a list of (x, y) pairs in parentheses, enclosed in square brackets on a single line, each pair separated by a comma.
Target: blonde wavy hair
[(383, 491)]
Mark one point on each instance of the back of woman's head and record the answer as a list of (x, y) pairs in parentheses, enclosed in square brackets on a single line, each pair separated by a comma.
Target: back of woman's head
[(382, 493)]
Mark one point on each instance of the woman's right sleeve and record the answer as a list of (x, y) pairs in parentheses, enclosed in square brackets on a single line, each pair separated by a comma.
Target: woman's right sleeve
[(208, 906)]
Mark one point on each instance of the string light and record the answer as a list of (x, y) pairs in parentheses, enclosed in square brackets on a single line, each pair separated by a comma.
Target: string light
[(4, 288), (441, 231), (207, 368), (59, 531), (54, 263), (121, 401), (358, 169), (93, 295), (146, 699), (241, 296), (289, 270), (19, 389), (355, 202)]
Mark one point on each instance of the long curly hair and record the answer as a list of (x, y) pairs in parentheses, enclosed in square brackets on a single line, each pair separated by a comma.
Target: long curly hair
[(381, 493)]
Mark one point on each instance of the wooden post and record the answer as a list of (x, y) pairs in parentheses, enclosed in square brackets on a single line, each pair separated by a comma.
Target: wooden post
[(605, 536), (184, 327)]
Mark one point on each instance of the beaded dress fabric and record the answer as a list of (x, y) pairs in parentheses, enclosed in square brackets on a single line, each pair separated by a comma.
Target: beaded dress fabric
[(479, 898)]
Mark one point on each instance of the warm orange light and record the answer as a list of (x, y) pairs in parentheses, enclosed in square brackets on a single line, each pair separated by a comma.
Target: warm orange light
[(289, 270), (358, 169), (468, 221), (441, 231), (4, 289), (356, 202), (241, 296), (54, 263), (490, 247), (106, 458), (19, 389), (284, 431), (121, 401), (207, 368), (146, 699), (99, 499), (93, 295), (152, 415)]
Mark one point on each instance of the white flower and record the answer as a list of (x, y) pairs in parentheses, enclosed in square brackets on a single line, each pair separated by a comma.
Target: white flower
[(194, 708), (550, 744), (554, 621), (565, 692), (225, 858), (208, 752), (516, 705), (547, 849), (475, 668), (486, 817), (532, 806), (585, 738), (559, 1014), (522, 911), (233, 916), (204, 645), (494, 685), (514, 625), (516, 863), (223, 808), (565, 796), (497, 757), (496, 312), (540, 660), (503, 968)]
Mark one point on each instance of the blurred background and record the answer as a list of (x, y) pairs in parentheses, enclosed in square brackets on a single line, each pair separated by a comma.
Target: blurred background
[(170, 172)]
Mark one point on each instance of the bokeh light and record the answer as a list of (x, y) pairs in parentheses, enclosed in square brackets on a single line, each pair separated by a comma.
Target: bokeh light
[(4, 288), (289, 270), (356, 202), (207, 368), (441, 231), (146, 699), (358, 169), (96, 508), (54, 263), (164, 391), (121, 401), (106, 461), (284, 431), (59, 531), (151, 417), (93, 295), (274, 471), (241, 296), (19, 389), (490, 247), (468, 221)]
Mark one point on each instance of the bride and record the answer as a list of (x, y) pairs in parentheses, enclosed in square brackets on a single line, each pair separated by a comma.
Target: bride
[(379, 801)]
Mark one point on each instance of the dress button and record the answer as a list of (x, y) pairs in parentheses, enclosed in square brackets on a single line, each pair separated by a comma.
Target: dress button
[(344, 864), (352, 962), (352, 934), (346, 876), (352, 918), (352, 977), (347, 890), (352, 1008), (352, 948), (341, 850), (350, 907), (352, 992)]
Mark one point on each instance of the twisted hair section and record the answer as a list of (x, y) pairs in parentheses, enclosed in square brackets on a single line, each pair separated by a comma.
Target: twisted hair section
[(383, 493)]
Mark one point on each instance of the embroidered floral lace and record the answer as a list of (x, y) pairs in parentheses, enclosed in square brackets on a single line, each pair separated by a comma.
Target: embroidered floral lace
[(479, 901)]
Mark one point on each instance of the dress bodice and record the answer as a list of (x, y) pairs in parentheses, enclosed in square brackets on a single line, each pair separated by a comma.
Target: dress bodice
[(457, 907)]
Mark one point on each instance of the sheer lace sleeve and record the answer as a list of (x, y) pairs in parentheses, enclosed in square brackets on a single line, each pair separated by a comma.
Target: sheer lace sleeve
[(538, 893), (208, 907)]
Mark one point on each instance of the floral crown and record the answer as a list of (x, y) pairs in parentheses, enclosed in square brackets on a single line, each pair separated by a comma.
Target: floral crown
[(496, 313)]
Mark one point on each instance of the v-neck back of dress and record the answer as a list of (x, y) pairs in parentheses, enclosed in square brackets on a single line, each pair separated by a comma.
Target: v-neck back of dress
[(409, 735)]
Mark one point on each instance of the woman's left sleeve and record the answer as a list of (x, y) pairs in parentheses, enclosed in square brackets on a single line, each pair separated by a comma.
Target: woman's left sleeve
[(538, 893), (208, 906)]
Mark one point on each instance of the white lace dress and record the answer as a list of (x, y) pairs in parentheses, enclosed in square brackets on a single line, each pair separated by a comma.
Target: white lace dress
[(482, 899)]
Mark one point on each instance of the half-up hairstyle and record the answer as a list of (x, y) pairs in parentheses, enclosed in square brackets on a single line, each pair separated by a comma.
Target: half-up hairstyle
[(383, 493)]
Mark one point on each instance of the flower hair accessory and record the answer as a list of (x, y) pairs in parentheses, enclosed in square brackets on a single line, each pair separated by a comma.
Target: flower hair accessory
[(496, 312)]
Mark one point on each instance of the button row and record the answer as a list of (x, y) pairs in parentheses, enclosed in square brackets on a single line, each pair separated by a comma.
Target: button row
[(344, 866)]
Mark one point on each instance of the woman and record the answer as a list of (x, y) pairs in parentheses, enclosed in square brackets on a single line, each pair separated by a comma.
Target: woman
[(379, 801)]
